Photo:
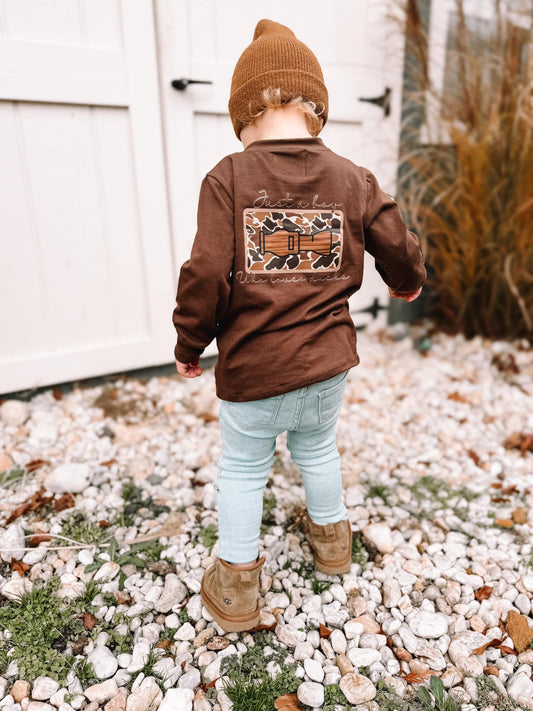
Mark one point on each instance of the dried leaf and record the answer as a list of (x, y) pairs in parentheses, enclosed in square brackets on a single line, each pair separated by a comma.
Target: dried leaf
[(496, 485), (492, 643), (491, 669), (122, 597), (19, 511), (17, 566), (65, 501), (417, 677), (504, 522), (474, 457), (89, 620), (264, 628), (108, 462), (483, 593), (39, 538), (36, 464), (512, 489), (211, 683), (506, 650), (457, 397), (104, 524), (208, 417), (165, 644), (520, 440), (287, 702), (324, 631), (57, 394)]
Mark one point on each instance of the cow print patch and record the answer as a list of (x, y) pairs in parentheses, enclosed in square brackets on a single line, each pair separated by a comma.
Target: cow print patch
[(292, 240)]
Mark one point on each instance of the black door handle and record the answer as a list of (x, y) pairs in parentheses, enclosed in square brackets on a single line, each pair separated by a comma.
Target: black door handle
[(183, 83), (382, 101)]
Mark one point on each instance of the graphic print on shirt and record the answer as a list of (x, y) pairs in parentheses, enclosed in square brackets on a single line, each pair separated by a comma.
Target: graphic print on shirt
[(292, 240)]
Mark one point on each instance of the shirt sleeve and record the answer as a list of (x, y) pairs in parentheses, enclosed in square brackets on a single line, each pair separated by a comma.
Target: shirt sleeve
[(397, 251), (204, 284)]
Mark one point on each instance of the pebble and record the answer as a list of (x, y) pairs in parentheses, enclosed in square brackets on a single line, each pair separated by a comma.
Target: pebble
[(357, 688), (430, 625), (72, 477), (174, 592), (314, 670), (311, 693), (19, 691), (190, 680), (146, 697), (379, 535), (103, 661), (14, 413), (43, 688), (12, 542), (178, 700), (102, 692)]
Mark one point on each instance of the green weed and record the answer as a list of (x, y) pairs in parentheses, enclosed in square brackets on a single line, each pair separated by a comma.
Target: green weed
[(378, 490), (208, 536), (13, 476), (248, 684), (437, 699), (488, 694), (359, 552), (135, 501)]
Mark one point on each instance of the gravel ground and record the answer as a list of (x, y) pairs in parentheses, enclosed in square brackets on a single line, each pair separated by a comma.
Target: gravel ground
[(108, 517)]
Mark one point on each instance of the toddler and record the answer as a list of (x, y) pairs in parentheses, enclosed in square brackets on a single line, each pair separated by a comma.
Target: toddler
[(282, 230)]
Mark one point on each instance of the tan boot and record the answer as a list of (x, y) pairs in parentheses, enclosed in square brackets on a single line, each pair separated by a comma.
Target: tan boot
[(232, 596), (331, 544)]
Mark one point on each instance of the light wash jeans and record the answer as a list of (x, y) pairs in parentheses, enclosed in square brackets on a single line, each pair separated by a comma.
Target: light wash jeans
[(249, 430)]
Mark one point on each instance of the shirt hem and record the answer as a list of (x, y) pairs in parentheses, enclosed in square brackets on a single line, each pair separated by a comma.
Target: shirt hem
[(232, 396)]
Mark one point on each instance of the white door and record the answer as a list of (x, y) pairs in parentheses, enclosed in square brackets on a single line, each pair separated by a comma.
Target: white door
[(360, 49), (87, 280)]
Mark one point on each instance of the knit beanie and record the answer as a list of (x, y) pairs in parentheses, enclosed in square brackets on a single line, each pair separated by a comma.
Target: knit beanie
[(275, 59)]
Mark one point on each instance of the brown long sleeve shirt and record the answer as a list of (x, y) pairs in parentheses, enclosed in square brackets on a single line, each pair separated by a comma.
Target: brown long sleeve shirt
[(282, 230)]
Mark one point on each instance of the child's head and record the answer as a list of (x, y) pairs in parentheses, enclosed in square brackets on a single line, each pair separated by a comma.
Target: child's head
[(275, 70)]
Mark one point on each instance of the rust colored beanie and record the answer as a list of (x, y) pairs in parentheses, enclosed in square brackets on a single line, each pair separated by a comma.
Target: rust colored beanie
[(275, 59)]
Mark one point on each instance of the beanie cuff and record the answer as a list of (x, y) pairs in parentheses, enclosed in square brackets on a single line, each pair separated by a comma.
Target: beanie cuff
[(246, 100)]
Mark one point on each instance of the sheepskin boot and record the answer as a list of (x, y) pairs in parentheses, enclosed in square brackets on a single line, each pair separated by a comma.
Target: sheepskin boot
[(232, 596), (331, 544)]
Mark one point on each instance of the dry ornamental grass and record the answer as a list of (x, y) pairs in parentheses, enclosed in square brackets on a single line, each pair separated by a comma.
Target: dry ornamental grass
[(468, 188)]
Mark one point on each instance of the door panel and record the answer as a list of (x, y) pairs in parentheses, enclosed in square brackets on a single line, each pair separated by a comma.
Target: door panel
[(83, 194)]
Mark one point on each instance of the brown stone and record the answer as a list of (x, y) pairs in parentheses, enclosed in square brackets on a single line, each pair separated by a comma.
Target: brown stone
[(518, 630), (118, 702), (370, 625), (520, 515), (6, 463), (344, 664), (357, 688), (20, 690)]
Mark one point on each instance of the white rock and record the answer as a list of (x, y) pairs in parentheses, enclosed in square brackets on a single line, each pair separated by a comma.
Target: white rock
[(314, 670), (528, 583), (357, 688), (289, 635), (38, 706), (139, 657), (185, 633), (13, 413), (70, 477), (190, 680), (146, 697), (391, 593), (363, 657), (311, 693), (102, 692), (520, 685), (173, 593), (43, 688), (103, 661), (429, 625), (279, 600), (107, 571), (12, 542), (303, 650), (380, 535), (353, 629), (177, 700), (338, 642), (16, 587)]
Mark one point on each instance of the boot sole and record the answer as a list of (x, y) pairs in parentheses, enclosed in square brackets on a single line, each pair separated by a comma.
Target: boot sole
[(235, 623)]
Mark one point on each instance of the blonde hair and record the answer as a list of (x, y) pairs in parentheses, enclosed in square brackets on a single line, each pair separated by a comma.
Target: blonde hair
[(272, 99)]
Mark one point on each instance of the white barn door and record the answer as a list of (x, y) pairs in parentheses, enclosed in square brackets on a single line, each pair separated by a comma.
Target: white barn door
[(361, 51), (87, 281)]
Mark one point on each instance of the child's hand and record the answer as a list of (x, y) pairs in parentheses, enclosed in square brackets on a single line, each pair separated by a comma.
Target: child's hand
[(189, 370), (407, 297)]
